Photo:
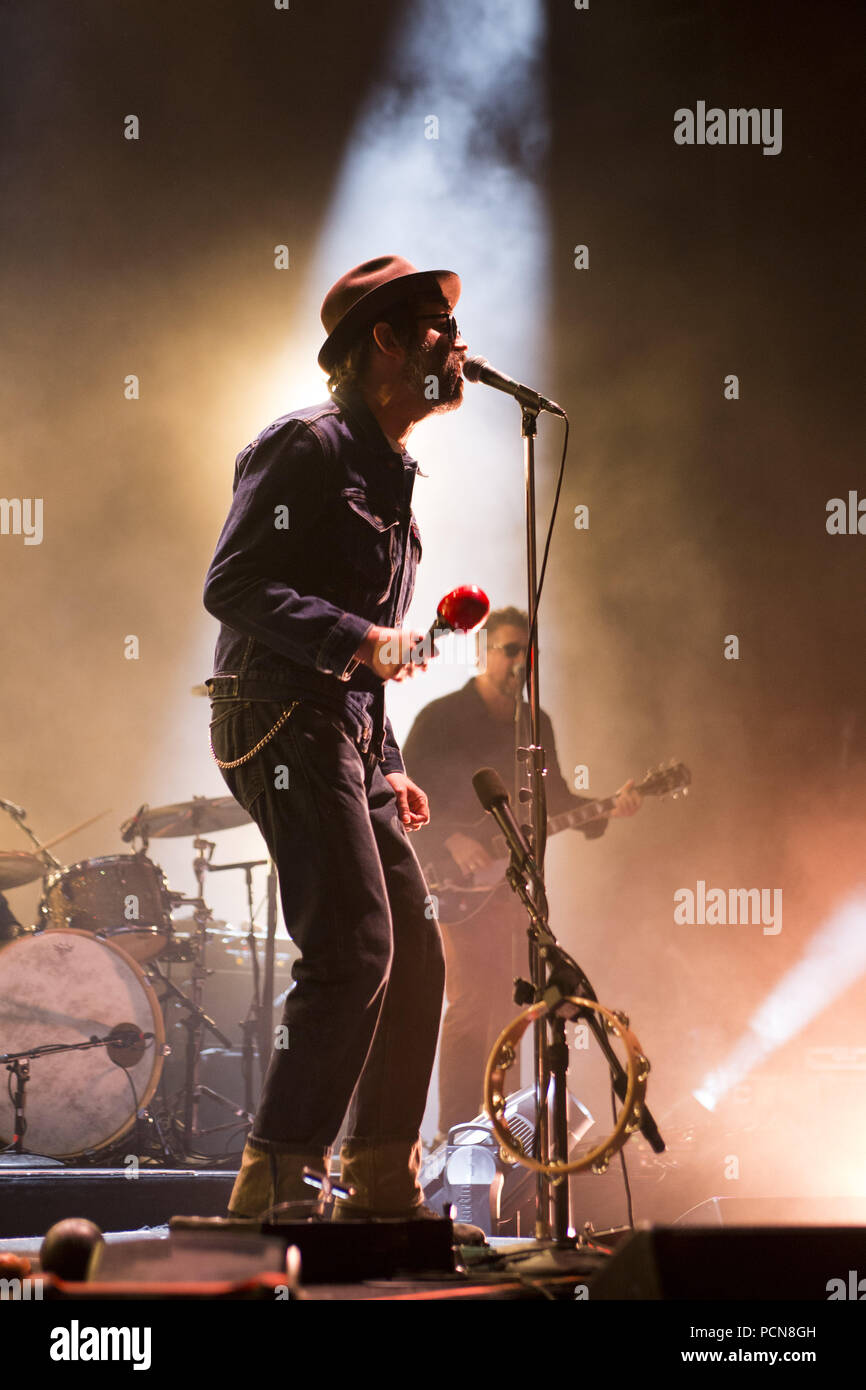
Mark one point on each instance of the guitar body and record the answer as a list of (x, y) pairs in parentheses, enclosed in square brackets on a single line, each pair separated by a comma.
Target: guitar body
[(460, 896)]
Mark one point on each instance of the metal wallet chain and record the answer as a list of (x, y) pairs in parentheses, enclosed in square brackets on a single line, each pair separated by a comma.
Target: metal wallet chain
[(237, 762)]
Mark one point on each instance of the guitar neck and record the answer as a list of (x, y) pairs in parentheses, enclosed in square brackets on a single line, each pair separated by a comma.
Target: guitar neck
[(569, 820)]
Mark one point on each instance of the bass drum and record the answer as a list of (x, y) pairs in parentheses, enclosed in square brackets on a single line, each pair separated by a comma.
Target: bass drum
[(64, 986)]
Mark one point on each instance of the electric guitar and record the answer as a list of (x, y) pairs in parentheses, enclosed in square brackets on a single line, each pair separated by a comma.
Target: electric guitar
[(461, 895)]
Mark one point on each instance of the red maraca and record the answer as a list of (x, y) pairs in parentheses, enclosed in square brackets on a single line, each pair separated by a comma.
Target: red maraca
[(463, 610)]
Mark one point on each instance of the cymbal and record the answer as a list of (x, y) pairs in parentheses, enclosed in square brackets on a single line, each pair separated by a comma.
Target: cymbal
[(17, 867), (202, 815)]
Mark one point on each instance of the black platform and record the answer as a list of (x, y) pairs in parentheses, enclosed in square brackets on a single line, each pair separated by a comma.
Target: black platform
[(32, 1199)]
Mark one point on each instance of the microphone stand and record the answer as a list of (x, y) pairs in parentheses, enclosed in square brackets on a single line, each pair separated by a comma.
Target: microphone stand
[(537, 970), (564, 980), (267, 1015), (546, 957), (19, 814)]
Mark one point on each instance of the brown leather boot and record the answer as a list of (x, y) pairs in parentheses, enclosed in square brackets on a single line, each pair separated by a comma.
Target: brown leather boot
[(385, 1179), (267, 1179), (384, 1176)]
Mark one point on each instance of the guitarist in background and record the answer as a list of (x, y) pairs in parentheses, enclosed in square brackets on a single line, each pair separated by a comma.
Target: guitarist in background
[(449, 741)]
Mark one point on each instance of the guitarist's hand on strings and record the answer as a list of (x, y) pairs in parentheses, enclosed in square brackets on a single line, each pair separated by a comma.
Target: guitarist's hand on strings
[(628, 802), (412, 807), (468, 854)]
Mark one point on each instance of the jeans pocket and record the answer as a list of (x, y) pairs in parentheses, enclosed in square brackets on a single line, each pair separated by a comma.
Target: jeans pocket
[(221, 710), (234, 733)]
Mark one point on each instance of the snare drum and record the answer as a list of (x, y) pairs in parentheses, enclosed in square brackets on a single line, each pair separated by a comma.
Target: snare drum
[(122, 897), (65, 987)]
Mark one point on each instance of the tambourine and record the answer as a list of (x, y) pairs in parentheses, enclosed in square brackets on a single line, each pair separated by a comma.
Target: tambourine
[(503, 1056)]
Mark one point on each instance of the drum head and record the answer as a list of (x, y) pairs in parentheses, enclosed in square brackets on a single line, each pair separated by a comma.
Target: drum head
[(67, 986)]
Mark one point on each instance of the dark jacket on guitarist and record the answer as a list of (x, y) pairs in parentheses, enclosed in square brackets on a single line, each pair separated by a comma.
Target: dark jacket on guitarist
[(449, 741)]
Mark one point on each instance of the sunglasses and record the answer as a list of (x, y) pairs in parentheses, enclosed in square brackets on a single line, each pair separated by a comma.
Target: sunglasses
[(511, 649), (452, 328)]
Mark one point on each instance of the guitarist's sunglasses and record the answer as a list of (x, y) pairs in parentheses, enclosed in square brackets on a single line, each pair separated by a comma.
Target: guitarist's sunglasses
[(511, 649), (451, 329)]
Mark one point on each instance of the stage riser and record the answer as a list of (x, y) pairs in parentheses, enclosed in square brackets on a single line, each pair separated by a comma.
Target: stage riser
[(32, 1200)]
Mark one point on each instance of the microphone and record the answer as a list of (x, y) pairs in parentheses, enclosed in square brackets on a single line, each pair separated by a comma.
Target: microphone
[(479, 369), (126, 1044), (490, 790), (129, 829), (17, 811)]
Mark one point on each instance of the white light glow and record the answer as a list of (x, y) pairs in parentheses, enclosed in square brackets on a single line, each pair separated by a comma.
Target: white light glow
[(835, 958), (469, 201)]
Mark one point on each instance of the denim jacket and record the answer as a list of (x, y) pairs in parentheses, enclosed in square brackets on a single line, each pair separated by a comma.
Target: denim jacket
[(320, 542)]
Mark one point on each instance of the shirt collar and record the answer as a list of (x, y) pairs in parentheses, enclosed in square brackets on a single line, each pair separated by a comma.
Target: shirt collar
[(370, 430)]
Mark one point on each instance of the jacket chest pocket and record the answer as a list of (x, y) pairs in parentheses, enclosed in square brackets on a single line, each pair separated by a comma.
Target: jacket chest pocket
[(371, 536)]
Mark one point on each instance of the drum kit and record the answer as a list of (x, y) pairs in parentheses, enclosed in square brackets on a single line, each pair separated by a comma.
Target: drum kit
[(85, 992)]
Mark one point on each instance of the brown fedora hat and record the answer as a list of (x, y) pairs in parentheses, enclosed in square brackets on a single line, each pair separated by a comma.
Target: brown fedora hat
[(371, 289)]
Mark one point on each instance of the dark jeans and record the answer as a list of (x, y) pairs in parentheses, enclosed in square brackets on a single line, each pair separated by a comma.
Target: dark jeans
[(363, 1016), (482, 957)]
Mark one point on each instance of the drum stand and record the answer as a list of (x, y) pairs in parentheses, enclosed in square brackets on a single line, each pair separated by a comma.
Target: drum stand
[(19, 1067), (18, 814), (256, 1026), (197, 1021)]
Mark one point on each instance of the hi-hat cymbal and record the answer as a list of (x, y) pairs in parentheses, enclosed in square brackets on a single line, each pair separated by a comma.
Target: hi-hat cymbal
[(201, 816), (17, 867)]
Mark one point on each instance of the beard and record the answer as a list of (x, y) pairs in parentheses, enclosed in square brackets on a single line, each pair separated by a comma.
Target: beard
[(510, 685), (425, 365)]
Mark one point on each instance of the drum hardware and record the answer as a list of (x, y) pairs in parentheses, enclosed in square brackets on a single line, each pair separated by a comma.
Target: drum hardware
[(221, 1078), (121, 904), (196, 1021), (199, 816), (18, 867), (125, 1046), (20, 815), (255, 1037), (180, 951), (20, 1069), (86, 1077)]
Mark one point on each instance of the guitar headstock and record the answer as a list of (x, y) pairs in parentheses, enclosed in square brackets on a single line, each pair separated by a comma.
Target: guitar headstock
[(671, 778)]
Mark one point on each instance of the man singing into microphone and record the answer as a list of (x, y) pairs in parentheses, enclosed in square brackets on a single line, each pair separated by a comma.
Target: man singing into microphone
[(450, 740), (311, 579)]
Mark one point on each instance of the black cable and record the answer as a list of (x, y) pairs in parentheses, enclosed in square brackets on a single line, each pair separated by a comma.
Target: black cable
[(136, 1128), (623, 1164)]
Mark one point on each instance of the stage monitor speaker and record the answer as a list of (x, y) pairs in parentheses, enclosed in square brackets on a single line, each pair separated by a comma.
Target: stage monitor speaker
[(760, 1263)]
